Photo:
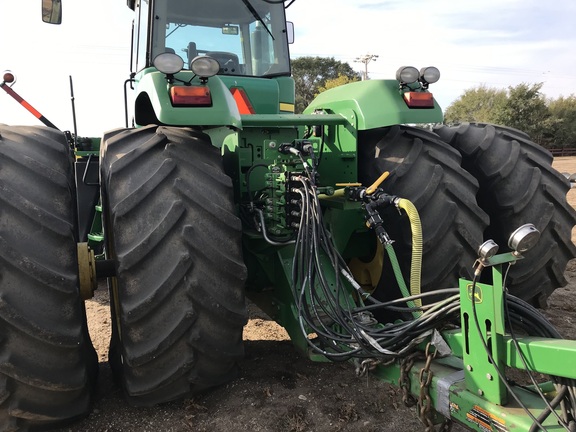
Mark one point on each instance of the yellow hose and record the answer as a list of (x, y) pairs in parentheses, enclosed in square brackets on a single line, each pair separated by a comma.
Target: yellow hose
[(416, 265)]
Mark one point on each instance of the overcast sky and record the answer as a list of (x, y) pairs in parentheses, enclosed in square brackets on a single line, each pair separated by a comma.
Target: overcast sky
[(498, 43)]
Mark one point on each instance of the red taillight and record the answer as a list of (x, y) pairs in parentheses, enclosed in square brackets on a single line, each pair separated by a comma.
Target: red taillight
[(419, 99), (190, 96), (241, 98)]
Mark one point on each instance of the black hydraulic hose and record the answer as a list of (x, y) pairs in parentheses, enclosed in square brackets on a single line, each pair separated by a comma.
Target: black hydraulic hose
[(265, 234), (248, 174), (378, 303), (496, 368), (547, 330), (550, 408)]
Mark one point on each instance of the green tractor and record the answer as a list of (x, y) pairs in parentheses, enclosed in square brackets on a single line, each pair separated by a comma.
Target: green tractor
[(350, 225)]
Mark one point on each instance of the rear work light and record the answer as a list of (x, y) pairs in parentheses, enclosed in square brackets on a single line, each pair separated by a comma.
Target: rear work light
[(198, 96), (419, 99)]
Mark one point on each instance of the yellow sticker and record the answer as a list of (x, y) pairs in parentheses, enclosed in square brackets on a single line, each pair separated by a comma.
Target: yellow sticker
[(477, 293), (286, 107)]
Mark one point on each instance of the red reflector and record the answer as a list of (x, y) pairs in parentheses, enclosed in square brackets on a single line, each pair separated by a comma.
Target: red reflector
[(8, 77), (190, 96), (419, 100), (241, 98)]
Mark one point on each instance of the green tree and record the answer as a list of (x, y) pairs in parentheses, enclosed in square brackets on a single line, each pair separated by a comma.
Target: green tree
[(479, 104), (311, 73), (336, 82), (526, 110), (563, 115), (522, 107)]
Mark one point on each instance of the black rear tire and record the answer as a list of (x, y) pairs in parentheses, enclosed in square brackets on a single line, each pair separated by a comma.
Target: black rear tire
[(517, 186), (426, 171), (49, 367), (178, 299)]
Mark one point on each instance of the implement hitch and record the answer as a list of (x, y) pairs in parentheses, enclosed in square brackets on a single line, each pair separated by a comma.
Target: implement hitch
[(469, 385)]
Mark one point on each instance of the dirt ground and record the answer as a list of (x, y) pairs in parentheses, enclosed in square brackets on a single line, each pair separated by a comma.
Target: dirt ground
[(279, 391)]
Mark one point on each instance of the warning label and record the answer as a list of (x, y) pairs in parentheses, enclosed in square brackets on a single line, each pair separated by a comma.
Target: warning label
[(486, 421)]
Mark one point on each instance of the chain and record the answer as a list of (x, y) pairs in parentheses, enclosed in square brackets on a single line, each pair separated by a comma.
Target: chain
[(404, 380), (424, 407), (362, 368), (424, 402)]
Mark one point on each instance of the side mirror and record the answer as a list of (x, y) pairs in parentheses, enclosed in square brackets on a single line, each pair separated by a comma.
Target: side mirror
[(52, 11), (290, 31)]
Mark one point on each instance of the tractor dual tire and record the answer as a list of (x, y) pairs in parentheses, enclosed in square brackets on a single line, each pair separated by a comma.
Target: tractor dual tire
[(426, 171), (178, 305), (517, 186), (49, 367)]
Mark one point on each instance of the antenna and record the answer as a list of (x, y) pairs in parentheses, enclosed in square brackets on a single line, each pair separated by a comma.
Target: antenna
[(73, 112)]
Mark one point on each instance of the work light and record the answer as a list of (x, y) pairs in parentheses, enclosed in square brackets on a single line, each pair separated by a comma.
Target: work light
[(429, 75), (205, 66), (168, 63), (407, 74)]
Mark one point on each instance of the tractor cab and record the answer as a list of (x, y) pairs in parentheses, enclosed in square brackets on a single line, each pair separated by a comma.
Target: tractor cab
[(246, 37), (243, 42)]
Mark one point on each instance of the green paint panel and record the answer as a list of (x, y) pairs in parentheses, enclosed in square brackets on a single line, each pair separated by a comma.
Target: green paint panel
[(223, 111), (376, 103), (488, 328), (285, 120), (287, 91), (265, 94), (546, 356)]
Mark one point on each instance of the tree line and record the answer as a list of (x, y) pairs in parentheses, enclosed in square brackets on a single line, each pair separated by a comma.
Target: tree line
[(549, 122)]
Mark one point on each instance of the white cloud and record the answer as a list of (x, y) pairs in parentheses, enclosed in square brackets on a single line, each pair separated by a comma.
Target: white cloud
[(496, 43)]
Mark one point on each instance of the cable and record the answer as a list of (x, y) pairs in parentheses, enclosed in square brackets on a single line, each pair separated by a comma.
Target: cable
[(523, 358), (373, 342), (344, 326), (494, 364), (563, 389), (551, 407), (280, 2), (248, 173), (265, 234)]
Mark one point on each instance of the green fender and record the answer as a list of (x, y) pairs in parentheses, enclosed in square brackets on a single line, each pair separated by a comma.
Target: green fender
[(152, 95), (375, 103)]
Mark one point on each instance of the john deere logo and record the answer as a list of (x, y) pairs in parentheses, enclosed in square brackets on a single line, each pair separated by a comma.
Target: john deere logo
[(477, 294)]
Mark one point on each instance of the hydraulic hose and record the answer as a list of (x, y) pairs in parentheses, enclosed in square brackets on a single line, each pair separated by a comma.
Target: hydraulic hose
[(416, 265), (400, 277)]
